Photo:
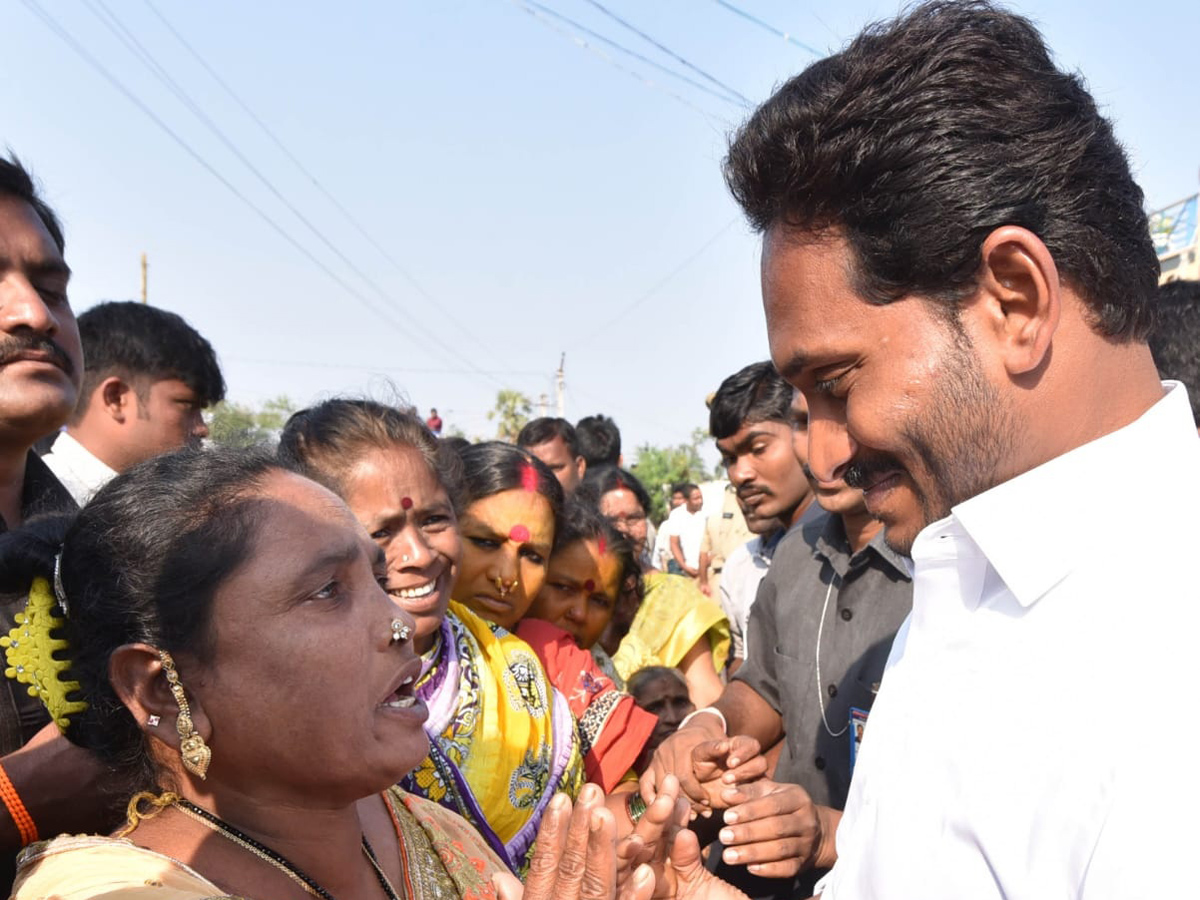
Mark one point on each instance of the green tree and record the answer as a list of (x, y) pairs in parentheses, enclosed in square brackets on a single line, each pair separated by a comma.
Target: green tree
[(511, 412), (660, 467), (239, 425)]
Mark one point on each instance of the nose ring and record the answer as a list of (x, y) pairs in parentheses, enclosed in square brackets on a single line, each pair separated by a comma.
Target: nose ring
[(505, 589), (400, 631)]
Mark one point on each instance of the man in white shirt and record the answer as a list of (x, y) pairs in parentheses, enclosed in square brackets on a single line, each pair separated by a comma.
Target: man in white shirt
[(958, 274), (687, 533), (148, 377)]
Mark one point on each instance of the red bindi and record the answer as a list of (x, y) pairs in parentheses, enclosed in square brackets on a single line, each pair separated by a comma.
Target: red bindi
[(406, 502), (518, 533), (589, 585)]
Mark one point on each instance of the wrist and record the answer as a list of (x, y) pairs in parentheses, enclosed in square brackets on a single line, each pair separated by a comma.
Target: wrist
[(826, 854), (709, 718)]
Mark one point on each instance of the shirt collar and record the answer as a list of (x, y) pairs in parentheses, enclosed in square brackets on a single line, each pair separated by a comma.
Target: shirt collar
[(1035, 528), (827, 537)]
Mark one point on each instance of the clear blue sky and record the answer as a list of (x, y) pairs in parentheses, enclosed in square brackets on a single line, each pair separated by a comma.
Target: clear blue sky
[(533, 195)]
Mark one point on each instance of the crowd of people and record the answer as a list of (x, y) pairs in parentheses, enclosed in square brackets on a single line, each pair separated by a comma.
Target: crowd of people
[(903, 657)]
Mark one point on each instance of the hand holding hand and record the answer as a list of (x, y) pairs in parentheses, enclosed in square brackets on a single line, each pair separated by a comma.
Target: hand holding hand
[(720, 764), (775, 830)]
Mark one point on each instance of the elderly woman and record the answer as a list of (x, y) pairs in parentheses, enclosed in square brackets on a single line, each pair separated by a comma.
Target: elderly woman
[(218, 632), (503, 740), (509, 525)]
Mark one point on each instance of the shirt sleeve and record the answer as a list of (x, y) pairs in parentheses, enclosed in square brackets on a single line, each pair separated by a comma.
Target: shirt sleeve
[(759, 672)]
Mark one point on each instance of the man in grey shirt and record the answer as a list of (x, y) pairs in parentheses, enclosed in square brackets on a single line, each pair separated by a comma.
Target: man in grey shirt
[(818, 638)]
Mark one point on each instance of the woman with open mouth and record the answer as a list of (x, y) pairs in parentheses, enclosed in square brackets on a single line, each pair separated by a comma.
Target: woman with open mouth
[(503, 741)]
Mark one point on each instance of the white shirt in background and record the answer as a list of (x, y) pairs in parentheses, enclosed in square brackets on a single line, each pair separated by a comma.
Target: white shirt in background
[(80, 472)]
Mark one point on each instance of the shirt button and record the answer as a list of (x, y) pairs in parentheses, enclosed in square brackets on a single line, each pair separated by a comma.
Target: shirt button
[(833, 690), (819, 762), (847, 615)]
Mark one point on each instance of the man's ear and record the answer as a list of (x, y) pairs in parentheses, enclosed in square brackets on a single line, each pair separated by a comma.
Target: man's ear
[(580, 466), (118, 398), (136, 673), (1017, 302)]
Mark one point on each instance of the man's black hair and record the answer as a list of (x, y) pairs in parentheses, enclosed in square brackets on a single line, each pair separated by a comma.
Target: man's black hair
[(1175, 341), (757, 393), (599, 440), (929, 132), (143, 344), (547, 428), (15, 181)]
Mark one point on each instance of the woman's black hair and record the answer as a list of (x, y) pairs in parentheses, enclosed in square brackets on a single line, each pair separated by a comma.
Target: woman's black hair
[(603, 479), (581, 520), (324, 442), (493, 467), (141, 563)]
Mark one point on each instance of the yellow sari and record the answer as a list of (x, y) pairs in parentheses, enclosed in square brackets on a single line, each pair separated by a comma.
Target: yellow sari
[(673, 616), (503, 738)]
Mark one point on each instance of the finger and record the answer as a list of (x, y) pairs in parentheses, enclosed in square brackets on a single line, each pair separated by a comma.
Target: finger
[(507, 886), (639, 887), (685, 858), (736, 795), (600, 863), (780, 850), (750, 770), (552, 837), (776, 803), (786, 868), (573, 861), (742, 747), (765, 830)]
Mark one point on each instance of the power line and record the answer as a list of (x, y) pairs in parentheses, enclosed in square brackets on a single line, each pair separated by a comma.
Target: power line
[(671, 53), (321, 364), (114, 24), (633, 53), (612, 62), (658, 285), (769, 27), (404, 273), (66, 37)]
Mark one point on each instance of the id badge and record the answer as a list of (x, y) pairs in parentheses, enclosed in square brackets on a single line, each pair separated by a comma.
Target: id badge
[(858, 724)]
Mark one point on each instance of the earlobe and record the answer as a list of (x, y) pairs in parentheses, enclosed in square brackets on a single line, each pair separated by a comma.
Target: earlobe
[(137, 676), (115, 394), (1019, 288)]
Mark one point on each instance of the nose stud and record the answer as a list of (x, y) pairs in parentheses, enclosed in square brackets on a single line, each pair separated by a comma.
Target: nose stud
[(503, 588), (400, 631)]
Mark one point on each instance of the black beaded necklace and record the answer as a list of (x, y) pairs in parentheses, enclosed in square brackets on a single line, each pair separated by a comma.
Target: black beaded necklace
[(243, 840)]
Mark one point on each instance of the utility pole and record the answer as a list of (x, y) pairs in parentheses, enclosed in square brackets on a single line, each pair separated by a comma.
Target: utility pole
[(560, 387), (543, 405), (144, 268)]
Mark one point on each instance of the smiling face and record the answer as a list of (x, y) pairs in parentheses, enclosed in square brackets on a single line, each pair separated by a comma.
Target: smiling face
[(761, 462), (580, 592), (507, 538), (898, 401), (305, 691), (406, 511), (41, 362)]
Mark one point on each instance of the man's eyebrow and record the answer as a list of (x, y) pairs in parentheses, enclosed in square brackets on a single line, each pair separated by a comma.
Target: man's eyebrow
[(794, 367)]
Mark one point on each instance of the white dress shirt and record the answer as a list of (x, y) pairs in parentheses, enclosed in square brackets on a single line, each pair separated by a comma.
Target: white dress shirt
[(80, 472), (744, 571), (1034, 731)]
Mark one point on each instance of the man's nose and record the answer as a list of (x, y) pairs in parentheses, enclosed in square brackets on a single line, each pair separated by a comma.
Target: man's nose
[(831, 449)]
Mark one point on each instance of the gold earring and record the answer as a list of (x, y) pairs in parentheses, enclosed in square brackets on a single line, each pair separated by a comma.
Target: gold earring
[(195, 753)]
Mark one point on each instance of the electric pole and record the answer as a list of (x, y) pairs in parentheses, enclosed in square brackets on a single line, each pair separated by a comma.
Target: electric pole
[(560, 387), (144, 268)]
